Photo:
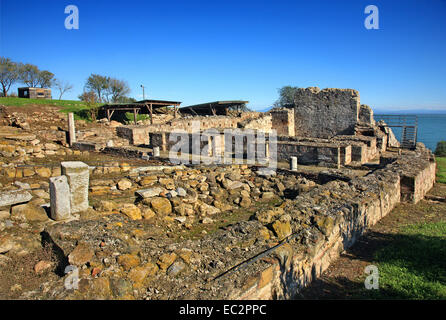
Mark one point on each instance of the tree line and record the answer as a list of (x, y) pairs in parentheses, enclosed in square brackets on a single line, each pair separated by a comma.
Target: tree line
[(12, 72), (100, 88)]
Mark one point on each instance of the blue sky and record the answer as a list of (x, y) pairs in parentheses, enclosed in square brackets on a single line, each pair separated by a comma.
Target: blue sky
[(200, 51)]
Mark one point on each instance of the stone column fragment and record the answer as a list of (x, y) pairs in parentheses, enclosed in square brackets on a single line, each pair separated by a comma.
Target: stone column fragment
[(71, 129), (156, 151), (60, 198), (78, 176), (293, 163)]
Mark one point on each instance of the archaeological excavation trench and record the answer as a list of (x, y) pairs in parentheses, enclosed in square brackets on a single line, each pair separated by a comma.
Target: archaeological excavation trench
[(129, 225)]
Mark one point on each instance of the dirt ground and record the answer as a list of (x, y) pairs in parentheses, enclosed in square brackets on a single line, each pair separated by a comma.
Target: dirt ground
[(344, 279)]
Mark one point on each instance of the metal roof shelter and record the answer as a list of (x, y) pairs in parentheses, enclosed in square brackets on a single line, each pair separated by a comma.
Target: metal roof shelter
[(214, 108), (143, 107)]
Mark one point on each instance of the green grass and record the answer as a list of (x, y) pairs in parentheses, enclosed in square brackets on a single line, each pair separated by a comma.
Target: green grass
[(14, 101), (77, 107), (414, 265), (441, 169), (130, 118)]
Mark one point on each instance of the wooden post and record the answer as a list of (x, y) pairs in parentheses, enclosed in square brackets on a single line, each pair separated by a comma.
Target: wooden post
[(134, 114), (151, 114), (108, 115)]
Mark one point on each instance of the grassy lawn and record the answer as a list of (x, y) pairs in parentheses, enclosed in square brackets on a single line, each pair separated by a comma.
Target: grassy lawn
[(414, 265), (18, 102), (441, 169), (75, 106)]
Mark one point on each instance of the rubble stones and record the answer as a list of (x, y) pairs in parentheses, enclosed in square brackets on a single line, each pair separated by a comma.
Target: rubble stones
[(161, 205), (82, 254)]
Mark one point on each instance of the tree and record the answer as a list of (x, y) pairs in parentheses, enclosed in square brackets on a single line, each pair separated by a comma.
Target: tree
[(9, 74), (124, 99), (440, 151), (62, 86), (286, 97), (91, 101), (45, 79), (29, 74), (99, 84), (117, 89)]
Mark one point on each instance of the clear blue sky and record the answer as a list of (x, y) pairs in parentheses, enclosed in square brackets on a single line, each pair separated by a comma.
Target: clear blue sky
[(200, 51)]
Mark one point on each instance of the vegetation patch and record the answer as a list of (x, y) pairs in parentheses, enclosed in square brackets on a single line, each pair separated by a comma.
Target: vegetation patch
[(441, 169), (413, 266)]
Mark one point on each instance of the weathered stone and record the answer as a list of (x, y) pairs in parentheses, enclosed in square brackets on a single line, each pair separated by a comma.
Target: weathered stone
[(148, 180), (124, 184), (207, 220), (176, 268), (71, 129), (161, 205), (6, 243), (60, 198), (29, 212), (151, 192), (128, 261), (181, 192), (121, 287), (208, 210), (245, 202), (4, 215), (140, 273), (39, 193), (148, 213), (268, 195), (282, 229), (106, 205), (42, 266), (267, 216), (82, 254), (166, 260), (293, 163), (131, 211), (14, 197), (51, 146), (325, 224), (78, 178)]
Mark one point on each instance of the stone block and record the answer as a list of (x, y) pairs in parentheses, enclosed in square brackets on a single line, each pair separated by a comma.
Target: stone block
[(14, 197), (60, 198), (78, 175)]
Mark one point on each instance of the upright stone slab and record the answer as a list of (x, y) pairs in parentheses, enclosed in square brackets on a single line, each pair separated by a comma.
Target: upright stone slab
[(156, 151), (71, 129), (293, 163), (78, 178), (60, 198)]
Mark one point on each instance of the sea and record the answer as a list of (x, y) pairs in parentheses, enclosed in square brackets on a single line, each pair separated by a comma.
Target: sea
[(431, 129)]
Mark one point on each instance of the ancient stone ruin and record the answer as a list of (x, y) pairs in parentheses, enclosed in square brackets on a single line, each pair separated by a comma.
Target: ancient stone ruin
[(134, 224)]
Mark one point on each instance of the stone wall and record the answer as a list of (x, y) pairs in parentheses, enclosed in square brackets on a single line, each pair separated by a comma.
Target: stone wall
[(324, 154), (136, 135), (325, 113), (283, 121), (366, 114), (262, 123)]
